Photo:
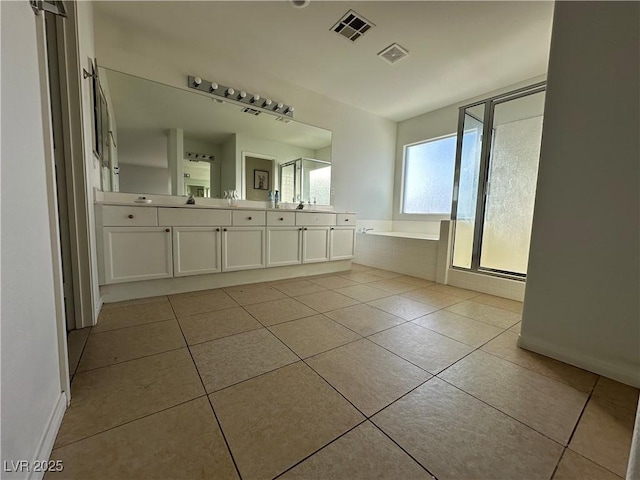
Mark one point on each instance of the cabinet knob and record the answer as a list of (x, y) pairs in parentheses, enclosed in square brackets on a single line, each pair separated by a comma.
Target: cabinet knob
[(331, 228), (248, 218), (300, 229), (305, 228), (224, 229), (217, 229), (130, 216), (281, 219), (346, 219), (167, 230)]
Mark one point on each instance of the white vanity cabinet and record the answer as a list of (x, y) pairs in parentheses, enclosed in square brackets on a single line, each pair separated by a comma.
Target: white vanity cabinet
[(315, 244), (243, 248), (343, 243), (197, 250), (131, 254)]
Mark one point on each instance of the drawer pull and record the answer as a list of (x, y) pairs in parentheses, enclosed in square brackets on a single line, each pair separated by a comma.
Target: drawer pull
[(346, 219), (281, 219), (130, 216), (248, 218), (167, 230)]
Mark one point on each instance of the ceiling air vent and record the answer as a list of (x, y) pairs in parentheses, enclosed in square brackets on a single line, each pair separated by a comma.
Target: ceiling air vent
[(393, 54), (283, 120), (352, 26)]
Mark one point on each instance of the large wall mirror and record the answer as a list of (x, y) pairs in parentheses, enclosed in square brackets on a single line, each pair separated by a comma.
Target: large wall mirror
[(171, 141)]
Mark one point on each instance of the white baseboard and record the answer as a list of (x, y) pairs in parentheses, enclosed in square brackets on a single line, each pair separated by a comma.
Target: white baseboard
[(624, 373), (45, 446), (98, 308)]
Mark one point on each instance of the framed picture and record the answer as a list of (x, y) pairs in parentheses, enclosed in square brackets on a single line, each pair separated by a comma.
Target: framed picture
[(260, 180)]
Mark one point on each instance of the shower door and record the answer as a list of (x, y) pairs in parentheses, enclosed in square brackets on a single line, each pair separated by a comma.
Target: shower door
[(496, 174)]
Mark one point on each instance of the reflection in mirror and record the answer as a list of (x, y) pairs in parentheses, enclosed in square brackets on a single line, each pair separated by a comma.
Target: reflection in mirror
[(178, 142), (306, 180)]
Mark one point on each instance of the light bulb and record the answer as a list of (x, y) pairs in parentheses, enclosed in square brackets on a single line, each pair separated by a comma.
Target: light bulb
[(267, 102), (230, 91), (289, 110), (255, 98), (278, 106), (197, 81), (242, 94), (213, 87)]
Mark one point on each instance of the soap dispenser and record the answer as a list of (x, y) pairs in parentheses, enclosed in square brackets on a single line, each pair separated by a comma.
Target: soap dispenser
[(191, 200)]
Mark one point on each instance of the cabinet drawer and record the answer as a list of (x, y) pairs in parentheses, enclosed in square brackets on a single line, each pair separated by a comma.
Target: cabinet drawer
[(245, 218), (184, 217), (116, 216), (346, 219), (313, 219), (281, 219)]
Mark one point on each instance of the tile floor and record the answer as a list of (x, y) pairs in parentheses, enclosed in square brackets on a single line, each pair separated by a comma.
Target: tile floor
[(362, 375)]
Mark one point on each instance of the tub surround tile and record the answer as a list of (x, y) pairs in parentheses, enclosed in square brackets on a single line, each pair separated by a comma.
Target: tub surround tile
[(367, 375), (237, 358), (456, 436), (116, 346), (273, 421), (546, 405)]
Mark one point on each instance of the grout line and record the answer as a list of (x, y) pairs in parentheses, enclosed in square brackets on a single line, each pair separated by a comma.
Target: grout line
[(131, 326), (195, 365), (130, 360)]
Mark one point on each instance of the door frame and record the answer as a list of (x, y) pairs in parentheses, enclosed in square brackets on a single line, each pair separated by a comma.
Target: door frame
[(274, 173)]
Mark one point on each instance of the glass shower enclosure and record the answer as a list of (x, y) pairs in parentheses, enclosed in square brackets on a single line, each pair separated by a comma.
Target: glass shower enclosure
[(495, 181), (306, 179)]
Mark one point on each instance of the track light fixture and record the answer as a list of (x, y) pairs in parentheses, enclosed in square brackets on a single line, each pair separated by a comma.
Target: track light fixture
[(240, 96)]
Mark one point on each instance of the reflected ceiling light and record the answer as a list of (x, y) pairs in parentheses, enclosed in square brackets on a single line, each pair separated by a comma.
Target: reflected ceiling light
[(241, 97), (300, 3)]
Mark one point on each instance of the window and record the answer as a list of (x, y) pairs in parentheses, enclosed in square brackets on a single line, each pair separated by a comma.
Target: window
[(428, 176)]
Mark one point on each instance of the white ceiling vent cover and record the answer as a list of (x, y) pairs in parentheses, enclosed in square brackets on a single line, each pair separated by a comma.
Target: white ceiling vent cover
[(352, 26), (393, 53)]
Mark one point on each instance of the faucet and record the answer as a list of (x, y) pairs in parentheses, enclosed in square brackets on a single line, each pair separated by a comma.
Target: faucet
[(300, 205), (365, 230), (191, 200)]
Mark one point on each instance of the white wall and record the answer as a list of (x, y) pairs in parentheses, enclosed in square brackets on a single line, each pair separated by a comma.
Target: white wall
[(437, 123), (31, 386), (139, 179), (363, 144), (581, 300)]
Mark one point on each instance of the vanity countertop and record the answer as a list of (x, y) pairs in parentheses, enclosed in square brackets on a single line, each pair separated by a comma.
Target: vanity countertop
[(218, 207)]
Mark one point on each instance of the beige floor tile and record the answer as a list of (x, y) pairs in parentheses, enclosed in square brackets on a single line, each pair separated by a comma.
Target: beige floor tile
[(312, 335), (363, 293), (301, 287), (107, 397), (326, 301), (403, 307), (463, 329), (334, 281), (546, 405), (505, 347), (516, 328), (251, 286), (455, 291), (361, 277), (576, 467), (116, 346), (392, 285), (499, 302), (212, 325), (485, 313), (181, 442), (356, 267), (604, 434), (278, 311), (248, 296), (364, 453), (135, 301), (616, 392), (456, 436), (384, 273), (273, 421), (76, 340), (369, 376), (137, 314), (212, 301), (364, 319), (237, 358), (429, 350), (430, 297), (415, 281)]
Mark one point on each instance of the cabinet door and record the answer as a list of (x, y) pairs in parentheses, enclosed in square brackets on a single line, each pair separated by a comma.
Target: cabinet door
[(243, 248), (315, 244), (343, 243), (137, 253), (284, 246), (196, 250)]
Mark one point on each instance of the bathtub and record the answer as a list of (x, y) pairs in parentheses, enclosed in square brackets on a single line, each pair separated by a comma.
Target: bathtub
[(415, 235)]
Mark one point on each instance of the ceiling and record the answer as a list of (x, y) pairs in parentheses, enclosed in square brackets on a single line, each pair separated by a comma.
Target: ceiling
[(457, 50)]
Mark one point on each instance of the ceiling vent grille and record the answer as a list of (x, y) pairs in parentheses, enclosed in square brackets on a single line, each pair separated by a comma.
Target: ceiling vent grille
[(352, 26), (393, 54), (250, 110)]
